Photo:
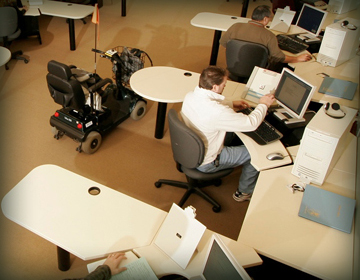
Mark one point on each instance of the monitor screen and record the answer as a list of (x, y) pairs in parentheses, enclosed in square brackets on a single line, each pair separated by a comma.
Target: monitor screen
[(293, 94), (311, 19), (221, 264)]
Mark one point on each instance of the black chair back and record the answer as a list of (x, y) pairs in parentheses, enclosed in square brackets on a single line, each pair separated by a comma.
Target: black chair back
[(242, 57), (64, 89), (188, 148)]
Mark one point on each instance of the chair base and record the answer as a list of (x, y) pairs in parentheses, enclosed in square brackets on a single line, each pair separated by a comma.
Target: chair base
[(193, 186), (18, 56)]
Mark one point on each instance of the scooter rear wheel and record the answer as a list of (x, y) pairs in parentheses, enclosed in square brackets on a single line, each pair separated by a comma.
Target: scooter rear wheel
[(92, 142)]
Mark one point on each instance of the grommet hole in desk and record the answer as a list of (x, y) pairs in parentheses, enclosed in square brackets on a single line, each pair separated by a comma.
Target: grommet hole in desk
[(94, 191), (187, 74)]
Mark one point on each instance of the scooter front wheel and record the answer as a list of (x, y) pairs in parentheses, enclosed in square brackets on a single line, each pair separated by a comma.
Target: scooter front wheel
[(139, 110), (92, 142)]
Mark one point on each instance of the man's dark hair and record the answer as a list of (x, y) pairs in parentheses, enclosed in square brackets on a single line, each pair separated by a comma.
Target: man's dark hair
[(260, 12), (212, 75)]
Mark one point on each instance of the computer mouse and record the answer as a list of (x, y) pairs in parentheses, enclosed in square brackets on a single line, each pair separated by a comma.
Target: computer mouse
[(274, 156)]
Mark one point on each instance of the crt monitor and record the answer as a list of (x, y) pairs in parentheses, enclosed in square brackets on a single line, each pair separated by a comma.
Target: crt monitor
[(311, 19), (293, 94)]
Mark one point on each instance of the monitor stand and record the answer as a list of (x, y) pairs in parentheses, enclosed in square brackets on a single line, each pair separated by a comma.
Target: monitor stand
[(284, 116)]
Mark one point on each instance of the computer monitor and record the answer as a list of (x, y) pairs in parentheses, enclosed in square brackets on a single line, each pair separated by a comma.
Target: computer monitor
[(311, 19), (219, 263), (293, 94)]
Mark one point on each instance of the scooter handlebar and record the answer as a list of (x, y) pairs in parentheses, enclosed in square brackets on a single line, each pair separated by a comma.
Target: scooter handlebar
[(97, 51)]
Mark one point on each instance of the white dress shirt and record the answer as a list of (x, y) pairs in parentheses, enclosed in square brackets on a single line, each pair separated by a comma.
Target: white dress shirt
[(211, 116)]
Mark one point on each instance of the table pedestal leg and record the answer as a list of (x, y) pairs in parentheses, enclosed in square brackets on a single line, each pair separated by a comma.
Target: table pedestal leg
[(215, 47), (72, 34), (244, 9), (63, 259), (160, 120), (123, 8)]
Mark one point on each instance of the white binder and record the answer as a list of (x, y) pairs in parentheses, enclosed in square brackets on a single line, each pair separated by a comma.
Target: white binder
[(180, 234), (261, 82), (282, 20)]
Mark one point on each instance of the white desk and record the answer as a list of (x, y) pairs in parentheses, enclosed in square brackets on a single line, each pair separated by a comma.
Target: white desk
[(164, 85), (170, 85), (5, 55), (348, 71), (219, 23), (234, 91), (163, 265), (274, 229), (55, 204), (65, 10)]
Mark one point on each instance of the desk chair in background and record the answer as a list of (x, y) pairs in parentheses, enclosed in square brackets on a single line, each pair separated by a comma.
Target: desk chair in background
[(9, 31), (188, 152), (242, 57)]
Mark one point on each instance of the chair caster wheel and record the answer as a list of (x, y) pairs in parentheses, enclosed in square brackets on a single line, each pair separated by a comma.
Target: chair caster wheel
[(216, 209), (26, 61), (157, 184)]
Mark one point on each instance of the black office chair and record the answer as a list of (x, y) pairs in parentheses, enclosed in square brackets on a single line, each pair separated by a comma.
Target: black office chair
[(242, 57), (9, 31), (188, 152)]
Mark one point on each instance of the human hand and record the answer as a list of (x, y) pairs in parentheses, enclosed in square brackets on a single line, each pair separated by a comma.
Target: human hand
[(240, 104), (113, 261), (267, 99), (303, 57)]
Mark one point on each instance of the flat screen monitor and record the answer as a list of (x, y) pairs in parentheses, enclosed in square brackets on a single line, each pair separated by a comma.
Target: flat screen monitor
[(311, 19), (219, 263), (293, 94)]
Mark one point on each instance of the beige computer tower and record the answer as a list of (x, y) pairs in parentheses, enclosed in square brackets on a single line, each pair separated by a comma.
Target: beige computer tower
[(323, 142), (340, 42), (342, 6)]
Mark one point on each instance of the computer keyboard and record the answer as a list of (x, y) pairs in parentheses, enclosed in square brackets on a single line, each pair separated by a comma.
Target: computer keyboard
[(265, 133), (290, 44)]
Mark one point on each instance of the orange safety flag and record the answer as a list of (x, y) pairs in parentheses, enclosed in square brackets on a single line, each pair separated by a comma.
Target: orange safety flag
[(95, 17)]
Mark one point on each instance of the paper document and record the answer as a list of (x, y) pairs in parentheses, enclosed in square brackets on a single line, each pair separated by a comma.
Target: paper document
[(137, 270), (130, 257)]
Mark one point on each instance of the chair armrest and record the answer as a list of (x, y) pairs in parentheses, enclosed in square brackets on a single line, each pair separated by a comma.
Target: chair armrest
[(100, 84)]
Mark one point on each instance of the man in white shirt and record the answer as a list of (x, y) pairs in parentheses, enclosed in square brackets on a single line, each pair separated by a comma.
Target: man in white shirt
[(206, 111)]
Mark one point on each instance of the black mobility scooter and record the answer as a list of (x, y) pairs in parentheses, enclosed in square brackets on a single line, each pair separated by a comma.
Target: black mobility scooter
[(92, 106)]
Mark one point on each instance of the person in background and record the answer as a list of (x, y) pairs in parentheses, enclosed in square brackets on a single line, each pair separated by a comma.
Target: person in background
[(108, 269), (207, 112), (255, 31)]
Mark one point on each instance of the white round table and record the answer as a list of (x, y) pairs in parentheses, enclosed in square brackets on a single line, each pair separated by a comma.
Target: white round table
[(5, 55), (164, 85)]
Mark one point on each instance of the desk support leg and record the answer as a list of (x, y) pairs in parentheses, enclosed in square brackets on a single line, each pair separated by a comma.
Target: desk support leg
[(123, 8), (72, 34), (244, 9), (63, 259), (215, 47), (160, 120)]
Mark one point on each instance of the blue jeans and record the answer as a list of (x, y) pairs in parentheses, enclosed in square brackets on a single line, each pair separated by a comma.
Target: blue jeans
[(232, 157)]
